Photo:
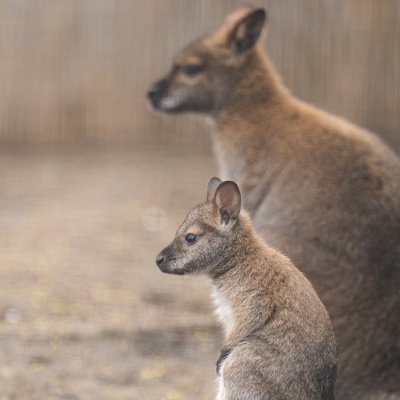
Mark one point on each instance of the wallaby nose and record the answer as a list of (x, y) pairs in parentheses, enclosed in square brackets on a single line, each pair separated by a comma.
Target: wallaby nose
[(153, 92), (160, 259), (156, 92)]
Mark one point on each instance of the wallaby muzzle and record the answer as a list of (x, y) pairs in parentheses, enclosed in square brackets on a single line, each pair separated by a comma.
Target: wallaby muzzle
[(157, 92), (163, 261)]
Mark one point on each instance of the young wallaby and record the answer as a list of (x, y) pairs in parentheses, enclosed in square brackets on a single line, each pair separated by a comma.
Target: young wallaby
[(321, 190), (279, 343)]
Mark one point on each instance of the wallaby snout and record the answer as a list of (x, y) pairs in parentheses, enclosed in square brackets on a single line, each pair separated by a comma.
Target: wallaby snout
[(164, 261), (157, 92)]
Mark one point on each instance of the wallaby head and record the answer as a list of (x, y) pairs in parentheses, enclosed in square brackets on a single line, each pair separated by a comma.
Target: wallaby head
[(201, 242), (204, 72)]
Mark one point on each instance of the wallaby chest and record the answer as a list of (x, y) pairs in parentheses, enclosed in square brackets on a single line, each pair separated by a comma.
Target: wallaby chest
[(223, 309)]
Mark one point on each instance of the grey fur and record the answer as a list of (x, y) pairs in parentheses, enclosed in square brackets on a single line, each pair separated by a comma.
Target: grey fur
[(279, 344)]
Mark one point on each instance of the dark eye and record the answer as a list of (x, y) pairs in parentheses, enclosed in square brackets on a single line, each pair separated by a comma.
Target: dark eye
[(190, 238), (192, 69)]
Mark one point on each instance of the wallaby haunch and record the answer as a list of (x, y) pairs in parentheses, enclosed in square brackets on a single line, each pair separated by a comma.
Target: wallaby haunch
[(279, 343), (321, 190)]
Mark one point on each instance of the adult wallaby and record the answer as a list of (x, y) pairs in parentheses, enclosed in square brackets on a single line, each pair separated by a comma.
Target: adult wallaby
[(279, 343), (321, 190)]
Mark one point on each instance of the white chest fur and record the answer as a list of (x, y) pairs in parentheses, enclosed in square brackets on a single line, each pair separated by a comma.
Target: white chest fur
[(223, 310), (221, 389)]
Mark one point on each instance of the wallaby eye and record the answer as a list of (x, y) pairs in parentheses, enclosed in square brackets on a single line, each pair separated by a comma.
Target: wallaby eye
[(192, 69), (190, 238)]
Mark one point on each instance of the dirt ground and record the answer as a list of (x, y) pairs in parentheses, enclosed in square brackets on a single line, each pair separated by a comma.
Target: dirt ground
[(84, 312)]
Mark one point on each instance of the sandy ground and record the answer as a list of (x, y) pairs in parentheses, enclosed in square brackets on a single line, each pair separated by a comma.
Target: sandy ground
[(84, 312)]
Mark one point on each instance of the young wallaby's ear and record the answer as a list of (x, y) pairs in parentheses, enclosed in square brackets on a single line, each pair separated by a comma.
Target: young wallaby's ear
[(247, 30), (212, 186), (228, 201)]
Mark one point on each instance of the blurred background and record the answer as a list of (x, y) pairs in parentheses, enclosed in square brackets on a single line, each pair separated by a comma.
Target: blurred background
[(94, 184)]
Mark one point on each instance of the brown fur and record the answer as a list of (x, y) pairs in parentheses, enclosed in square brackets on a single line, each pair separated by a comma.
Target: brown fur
[(319, 189), (279, 342)]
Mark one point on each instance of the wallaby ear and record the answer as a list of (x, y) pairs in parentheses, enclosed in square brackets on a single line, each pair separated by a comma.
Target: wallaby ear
[(212, 186), (228, 201), (247, 30)]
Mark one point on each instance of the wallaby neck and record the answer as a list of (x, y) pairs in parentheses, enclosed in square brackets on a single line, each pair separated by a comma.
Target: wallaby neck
[(244, 293), (249, 128), (257, 86)]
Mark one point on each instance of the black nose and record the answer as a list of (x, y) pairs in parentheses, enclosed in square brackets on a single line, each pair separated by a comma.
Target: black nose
[(153, 92), (157, 91), (160, 259)]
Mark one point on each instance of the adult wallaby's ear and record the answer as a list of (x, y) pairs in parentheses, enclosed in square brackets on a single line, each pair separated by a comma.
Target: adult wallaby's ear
[(212, 186), (247, 30), (228, 201)]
